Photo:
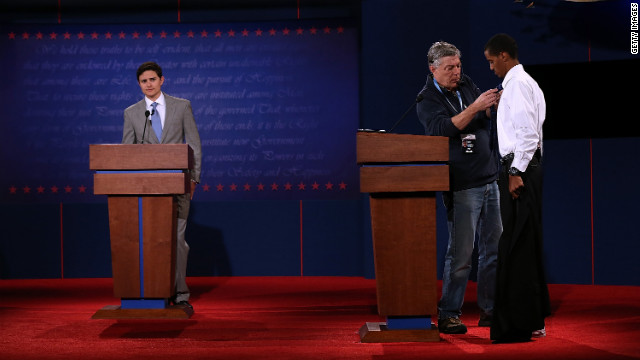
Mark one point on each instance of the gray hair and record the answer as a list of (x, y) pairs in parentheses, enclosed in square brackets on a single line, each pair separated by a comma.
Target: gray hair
[(439, 50)]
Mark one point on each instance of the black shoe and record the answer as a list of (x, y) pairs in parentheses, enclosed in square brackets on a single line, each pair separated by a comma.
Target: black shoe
[(485, 320), (513, 336), (184, 303), (451, 326), (510, 339)]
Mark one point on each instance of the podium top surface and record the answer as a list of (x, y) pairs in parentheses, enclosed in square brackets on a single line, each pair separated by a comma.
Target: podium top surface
[(401, 148), (140, 157)]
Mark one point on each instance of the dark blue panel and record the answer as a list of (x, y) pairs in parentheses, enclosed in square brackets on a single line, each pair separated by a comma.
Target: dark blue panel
[(87, 250), (30, 241), (548, 32), (566, 211), (244, 238), (332, 238), (396, 36), (616, 199)]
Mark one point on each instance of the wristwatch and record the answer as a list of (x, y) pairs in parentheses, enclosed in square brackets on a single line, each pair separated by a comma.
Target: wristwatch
[(515, 172)]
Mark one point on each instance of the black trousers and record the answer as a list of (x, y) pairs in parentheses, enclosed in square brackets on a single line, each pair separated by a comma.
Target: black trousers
[(522, 297)]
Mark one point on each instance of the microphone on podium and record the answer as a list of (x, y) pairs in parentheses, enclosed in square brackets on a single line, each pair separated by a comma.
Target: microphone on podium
[(146, 119), (419, 98)]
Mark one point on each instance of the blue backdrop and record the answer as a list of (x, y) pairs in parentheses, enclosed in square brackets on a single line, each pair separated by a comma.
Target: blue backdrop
[(308, 224), (276, 105)]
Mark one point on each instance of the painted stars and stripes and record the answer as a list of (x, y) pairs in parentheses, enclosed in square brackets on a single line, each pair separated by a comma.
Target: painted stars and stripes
[(218, 33), (50, 190), (219, 187), (315, 186)]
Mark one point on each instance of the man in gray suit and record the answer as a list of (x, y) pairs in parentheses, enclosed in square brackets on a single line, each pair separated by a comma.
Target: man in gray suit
[(171, 122)]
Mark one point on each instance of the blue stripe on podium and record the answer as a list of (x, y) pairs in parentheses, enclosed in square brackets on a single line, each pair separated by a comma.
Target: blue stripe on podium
[(408, 323), (141, 246), (144, 303)]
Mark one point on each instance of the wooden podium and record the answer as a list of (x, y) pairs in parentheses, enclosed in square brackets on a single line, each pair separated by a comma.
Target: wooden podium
[(141, 182), (402, 173)]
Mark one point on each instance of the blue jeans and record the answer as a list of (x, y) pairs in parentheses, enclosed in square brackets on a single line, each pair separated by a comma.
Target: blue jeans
[(470, 212)]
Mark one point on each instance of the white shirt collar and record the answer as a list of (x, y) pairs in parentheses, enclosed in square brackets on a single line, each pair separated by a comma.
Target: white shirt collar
[(513, 72), (159, 100)]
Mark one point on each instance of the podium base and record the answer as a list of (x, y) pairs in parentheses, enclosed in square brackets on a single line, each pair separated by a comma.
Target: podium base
[(171, 312), (377, 332)]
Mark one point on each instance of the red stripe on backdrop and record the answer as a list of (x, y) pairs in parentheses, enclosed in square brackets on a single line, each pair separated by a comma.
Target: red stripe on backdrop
[(591, 184), (178, 11), (591, 195), (301, 243), (59, 11), (61, 244)]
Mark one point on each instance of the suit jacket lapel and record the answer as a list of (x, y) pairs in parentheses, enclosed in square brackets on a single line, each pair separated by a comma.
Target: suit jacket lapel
[(169, 116)]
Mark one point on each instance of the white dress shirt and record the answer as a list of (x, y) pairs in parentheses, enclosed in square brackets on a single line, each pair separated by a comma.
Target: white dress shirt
[(161, 108), (521, 113)]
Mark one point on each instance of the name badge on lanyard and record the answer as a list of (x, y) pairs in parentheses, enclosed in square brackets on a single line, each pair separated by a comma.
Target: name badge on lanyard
[(468, 143)]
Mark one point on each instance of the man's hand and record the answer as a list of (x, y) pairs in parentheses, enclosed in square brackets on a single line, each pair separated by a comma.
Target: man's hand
[(498, 96), (516, 185), (193, 188), (482, 103), (487, 99)]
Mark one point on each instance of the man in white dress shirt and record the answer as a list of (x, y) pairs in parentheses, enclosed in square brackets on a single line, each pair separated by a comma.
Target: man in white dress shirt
[(522, 297)]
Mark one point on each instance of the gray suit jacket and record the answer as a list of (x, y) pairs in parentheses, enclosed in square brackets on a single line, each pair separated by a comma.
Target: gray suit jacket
[(179, 127)]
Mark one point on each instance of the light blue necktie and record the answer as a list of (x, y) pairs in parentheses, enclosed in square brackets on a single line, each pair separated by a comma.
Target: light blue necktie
[(156, 123)]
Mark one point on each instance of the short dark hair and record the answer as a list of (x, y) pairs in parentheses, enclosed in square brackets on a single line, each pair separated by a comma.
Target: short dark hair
[(502, 43), (149, 65)]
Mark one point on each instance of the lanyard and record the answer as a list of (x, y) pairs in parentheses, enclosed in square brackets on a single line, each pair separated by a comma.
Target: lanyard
[(445, 97)]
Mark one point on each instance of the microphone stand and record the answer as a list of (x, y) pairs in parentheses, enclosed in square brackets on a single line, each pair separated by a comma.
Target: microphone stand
[(418, 99), (146, 120)]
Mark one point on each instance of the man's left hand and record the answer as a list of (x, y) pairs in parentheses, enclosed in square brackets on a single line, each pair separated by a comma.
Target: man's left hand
[(193, 188), (516, 185)]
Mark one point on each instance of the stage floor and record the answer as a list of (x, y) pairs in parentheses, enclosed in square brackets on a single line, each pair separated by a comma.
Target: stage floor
[(292, 318)]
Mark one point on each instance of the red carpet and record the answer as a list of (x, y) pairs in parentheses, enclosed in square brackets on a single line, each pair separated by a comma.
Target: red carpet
[(292, 318)]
